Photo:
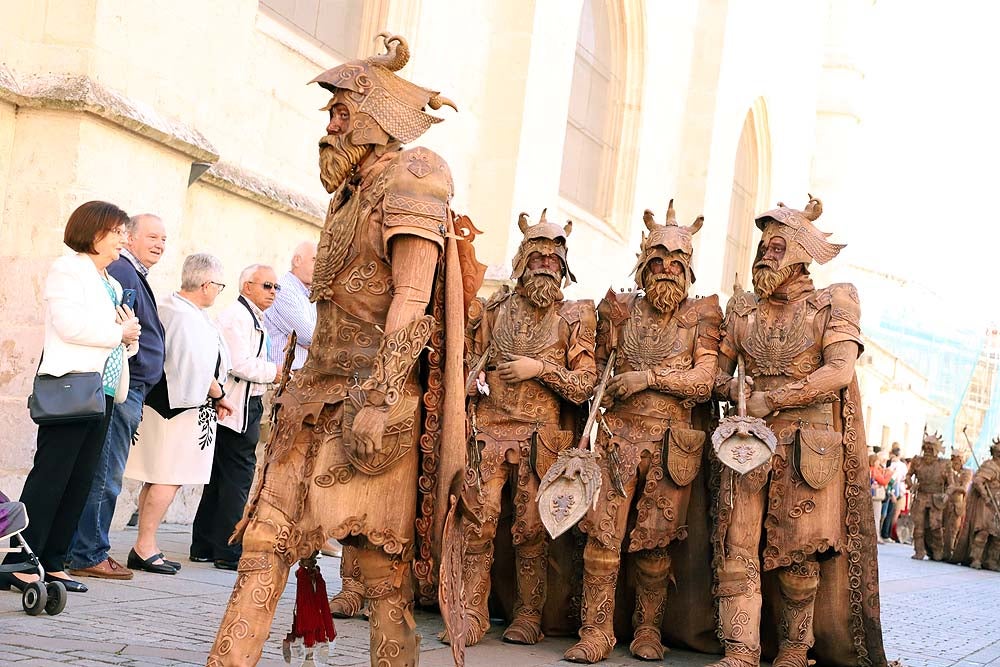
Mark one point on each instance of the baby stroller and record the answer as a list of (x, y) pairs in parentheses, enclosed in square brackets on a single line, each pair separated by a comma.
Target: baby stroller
[(38, 595)]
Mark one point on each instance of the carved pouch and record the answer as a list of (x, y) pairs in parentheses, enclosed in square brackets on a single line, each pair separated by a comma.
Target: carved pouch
[(819, 456), (939, 500), (549, 443), (397, 438), (684, 454)]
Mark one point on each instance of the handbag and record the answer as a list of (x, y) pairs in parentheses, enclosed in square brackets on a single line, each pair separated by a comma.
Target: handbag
[(73, 397)]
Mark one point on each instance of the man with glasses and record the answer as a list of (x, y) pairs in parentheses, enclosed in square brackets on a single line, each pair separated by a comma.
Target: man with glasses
[(223, 498)]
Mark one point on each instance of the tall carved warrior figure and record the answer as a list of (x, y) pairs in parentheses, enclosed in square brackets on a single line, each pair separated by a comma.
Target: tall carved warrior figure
[(539, 358), (959, 480), (360, 449), (979, 542), (666, 357), (929, 477), (807, 510)]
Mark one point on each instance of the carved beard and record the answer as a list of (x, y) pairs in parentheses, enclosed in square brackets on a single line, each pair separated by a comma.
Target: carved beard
[(338, 156), (665, 292), (541, 287), (767, 277)]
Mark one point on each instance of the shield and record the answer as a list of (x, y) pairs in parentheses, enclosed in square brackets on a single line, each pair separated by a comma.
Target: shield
[(741, 442), (571, 485)]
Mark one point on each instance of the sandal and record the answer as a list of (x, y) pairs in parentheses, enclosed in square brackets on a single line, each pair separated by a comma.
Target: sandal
[(147, 565)]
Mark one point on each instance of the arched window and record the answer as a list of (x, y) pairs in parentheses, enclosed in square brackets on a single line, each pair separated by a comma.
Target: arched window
[(742, 208), (594, 122)]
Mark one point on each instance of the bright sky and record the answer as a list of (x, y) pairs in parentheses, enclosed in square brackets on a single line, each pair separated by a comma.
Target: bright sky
[(930, 147)]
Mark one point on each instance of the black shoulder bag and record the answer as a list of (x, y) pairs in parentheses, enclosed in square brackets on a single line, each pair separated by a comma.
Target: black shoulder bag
[(73, 397)]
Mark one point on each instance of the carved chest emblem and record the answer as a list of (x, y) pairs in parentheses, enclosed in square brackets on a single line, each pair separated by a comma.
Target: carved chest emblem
[(523, 330), (778, 335), (646, 342)]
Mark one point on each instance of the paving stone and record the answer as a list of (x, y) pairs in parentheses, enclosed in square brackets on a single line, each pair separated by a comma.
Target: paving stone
[(933, 615)]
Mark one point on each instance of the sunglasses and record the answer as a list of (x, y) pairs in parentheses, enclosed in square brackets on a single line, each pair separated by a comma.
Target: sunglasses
[(268, 286)]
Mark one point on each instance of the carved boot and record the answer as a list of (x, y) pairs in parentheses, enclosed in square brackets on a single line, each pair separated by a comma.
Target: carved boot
[(393, 641), (977, 547), (798, 585), (597, 613), (476, 579), (532, 578), (650, 596), (261, 579), (739, 612), (348, 602)]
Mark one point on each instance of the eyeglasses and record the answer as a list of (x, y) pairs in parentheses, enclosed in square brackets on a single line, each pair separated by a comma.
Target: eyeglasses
[(267, 285), (221, 286)]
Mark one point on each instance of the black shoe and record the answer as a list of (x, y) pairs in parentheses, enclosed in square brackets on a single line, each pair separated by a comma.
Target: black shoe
[(200, 559), (172, 563), (72, 585), (227, 564), (147, 565), (8, 581)]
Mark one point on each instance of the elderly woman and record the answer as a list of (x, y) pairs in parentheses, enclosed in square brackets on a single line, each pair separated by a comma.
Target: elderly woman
[(87, 330), (176, 439)]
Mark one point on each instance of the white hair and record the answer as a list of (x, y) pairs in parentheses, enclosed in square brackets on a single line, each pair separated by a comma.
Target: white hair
[(246, 276), (199, 269)]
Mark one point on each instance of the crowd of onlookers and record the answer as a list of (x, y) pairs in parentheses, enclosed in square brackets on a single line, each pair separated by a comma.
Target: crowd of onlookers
[(184, 395), (890, 497)]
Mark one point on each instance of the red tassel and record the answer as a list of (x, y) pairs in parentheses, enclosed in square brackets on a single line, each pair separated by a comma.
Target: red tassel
[(312, 620)]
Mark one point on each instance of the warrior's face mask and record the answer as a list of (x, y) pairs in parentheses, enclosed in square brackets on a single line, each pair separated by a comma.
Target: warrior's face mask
[(542, 279), (664, 279)]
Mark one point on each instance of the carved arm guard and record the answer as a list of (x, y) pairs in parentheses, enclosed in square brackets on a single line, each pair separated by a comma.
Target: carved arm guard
[(575, 381), (397, 353)]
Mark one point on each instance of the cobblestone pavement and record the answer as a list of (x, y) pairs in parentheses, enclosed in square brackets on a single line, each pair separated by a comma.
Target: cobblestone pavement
[(933, 615)]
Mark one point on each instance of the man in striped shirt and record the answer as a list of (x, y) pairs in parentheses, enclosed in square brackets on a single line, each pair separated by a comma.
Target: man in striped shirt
[(292, 310)]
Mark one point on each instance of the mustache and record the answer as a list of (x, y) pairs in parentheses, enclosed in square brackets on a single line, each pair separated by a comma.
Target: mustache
[(766, 264), (531, 273)]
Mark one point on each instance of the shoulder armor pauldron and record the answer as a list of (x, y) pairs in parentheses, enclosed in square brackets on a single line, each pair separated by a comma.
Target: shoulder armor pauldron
[(417, 191)]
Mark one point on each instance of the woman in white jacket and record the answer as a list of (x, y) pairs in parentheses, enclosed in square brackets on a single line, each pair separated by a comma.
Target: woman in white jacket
[(86, 330)]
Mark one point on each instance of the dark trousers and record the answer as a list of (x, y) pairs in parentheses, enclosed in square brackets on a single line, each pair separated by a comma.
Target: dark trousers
[(225, 495), (57, 487), (888, 510)]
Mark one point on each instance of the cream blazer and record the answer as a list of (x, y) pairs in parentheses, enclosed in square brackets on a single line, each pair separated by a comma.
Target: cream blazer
[(80, 321)]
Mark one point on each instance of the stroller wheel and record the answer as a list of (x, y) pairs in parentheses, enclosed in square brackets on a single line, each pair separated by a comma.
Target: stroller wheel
[(57, 598), (34, 598)]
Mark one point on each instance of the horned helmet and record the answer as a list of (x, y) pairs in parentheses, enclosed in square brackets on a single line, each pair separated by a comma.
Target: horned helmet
[(995, 447), (546, 238), (932, 441), (960, 454), (383, 105), (804, 243), (666, 240)]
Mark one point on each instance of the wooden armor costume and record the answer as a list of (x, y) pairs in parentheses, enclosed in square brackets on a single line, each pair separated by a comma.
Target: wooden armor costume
[(929, 476), (385, 274), (807, 511), (979, 541), (519, 429), (649, 449), (954, 510)]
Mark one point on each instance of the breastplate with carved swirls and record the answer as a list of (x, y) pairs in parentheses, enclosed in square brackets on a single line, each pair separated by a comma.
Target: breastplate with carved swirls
[(520, 328), (651, 339), (781, 340)]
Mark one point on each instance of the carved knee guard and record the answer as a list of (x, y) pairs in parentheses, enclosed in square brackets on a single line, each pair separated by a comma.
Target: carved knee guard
[(798, 585), (597, 611), (348, 602), (393, 641), (739, 611), (532, 562), (653, 569), (259, 583)]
